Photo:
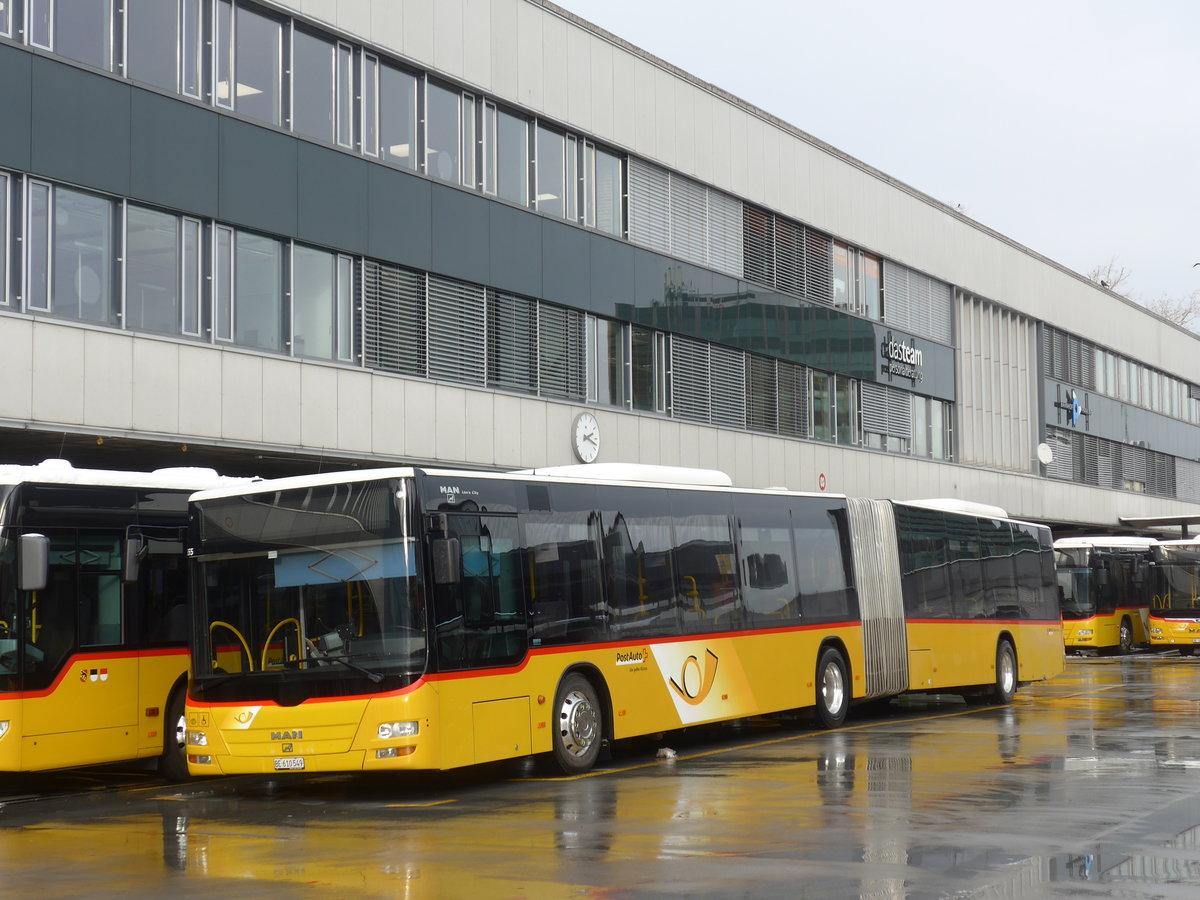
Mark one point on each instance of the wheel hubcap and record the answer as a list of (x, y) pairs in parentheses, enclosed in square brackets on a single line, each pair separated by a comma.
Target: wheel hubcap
[(1007, 673), (833, 690), (578, 723)]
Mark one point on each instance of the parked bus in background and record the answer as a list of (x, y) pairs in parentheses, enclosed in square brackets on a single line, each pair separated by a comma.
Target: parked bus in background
[(1175, 609), (428, 619), (93, 615), (1105, 589)]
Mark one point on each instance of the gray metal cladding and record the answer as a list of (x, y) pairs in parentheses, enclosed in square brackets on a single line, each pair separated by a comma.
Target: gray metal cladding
[(881, 602)]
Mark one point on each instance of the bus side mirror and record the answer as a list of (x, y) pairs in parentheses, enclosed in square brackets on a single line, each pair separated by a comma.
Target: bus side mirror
[(33, 562), (131, 560), (447, 561)]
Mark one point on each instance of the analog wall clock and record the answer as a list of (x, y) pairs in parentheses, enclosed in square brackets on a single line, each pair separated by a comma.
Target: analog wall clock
[(585, 435)]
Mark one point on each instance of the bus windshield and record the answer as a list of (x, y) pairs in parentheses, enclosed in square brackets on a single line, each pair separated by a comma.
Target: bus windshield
[(320, 584), (1178, 578)]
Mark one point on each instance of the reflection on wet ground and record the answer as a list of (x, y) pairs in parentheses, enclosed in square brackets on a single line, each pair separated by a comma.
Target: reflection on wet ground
[(1086, 786)]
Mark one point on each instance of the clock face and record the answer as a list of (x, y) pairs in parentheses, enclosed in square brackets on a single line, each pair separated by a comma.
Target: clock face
[(586, 435)]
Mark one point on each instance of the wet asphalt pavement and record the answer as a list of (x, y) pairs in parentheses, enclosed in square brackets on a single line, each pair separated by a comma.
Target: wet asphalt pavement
[(1087, 786)]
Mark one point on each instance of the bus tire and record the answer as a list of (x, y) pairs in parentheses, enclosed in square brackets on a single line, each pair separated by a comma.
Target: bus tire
[(578, 725), (172, 765), (1006, 673), (1125, 643), (833, 688)]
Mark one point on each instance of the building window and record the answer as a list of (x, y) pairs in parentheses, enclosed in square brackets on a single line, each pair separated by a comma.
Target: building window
[(6, 19), (247, 289), (4, 239), (322, 88), (606, 365), (602, 190), (442, 138), (551, 193), (164, 45), (857, 281), (162, 272), (397, 117), (69, 254), (247, 62), (505, 155), (322, 293), (648, 369), (469, 148), (846, 409), (80, 29)]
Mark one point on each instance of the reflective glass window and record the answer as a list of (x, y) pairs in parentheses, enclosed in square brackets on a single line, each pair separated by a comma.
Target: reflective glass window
[(6, 18), (442, 132), (644, 364), (550, 191), (397, 117), (370, 105), (258, 292), (843, 276), (564, 576), (83, 257), (3, 239), (77, 29), (636, 526), (872, 287), (256, 66), (313, 81), (37, 248), (512, 158), (223, 283), (468, 141), (192, 274), (705, 567), (846, 409), (344, 96), (606, 369), (571, 180), (823, 575), (152, 38), (320, 304), (604, 187), (822, 412), (152, 271)]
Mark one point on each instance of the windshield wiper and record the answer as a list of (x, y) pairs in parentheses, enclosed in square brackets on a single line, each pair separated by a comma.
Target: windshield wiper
[(374, 677)]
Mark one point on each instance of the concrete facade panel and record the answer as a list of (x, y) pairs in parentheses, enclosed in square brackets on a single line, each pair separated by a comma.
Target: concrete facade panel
[(16, 337), (283, 402), (332, 194), (530, 57), (258, 179), (602, 84), (449, 54), (319, 407), (506, 450), (645, 108), (624, 105), (420, 419), (702, 132), (477, 42), (450, 424), (354, 16), (387, 416), (108, 380), (480, 427), (242, 397), (579, 80), (399, 217), (387, 26), (555, 97), (505, 75), (665, 136), (417, 39), (200, 405), (58, 382), (353, 414), (684, 127)]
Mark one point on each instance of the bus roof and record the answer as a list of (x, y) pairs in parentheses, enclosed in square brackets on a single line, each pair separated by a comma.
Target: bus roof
[(595, 473), (964, 507), (1131, 542), (60, 471)]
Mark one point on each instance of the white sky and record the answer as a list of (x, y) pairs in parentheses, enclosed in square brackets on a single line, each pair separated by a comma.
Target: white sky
[(1072, 126)]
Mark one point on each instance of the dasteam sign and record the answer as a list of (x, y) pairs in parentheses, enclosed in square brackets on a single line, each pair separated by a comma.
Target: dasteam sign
[(901, 359)]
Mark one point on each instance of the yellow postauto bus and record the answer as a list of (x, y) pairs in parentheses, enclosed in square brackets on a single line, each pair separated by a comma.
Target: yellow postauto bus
[(1105, 588), (427, 619), (1175, 605), (93, 616)]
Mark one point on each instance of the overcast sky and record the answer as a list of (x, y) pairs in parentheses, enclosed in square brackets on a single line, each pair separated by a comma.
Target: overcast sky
[(1072, 126)]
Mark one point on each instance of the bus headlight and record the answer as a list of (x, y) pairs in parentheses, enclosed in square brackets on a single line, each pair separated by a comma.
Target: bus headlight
[(1084, 632), (3, 728), (1156, 631), (197, 739), (389, 730)]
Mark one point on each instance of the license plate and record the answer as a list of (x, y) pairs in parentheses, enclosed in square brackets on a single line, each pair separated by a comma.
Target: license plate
[(288, 763)]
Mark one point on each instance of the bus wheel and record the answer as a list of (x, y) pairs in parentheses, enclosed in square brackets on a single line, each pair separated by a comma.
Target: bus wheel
[(1006, 674), (1126, 644), (577, 727), (833, 698), (172, 765)]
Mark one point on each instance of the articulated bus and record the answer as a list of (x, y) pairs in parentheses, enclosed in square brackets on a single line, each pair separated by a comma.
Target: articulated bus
[(429, 619), (93, 615), (1175, 605), (1104, 590)]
